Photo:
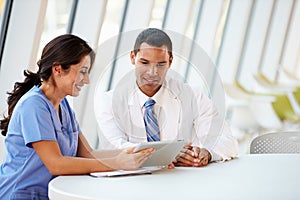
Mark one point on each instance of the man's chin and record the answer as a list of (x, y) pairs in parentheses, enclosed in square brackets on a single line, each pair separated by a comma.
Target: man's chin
[(151, 87), (75, 94)]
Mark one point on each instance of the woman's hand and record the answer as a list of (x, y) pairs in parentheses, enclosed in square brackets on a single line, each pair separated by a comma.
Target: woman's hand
[(128, 160)]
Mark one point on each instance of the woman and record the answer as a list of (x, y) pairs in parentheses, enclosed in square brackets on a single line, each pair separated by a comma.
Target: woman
[(43, 138)]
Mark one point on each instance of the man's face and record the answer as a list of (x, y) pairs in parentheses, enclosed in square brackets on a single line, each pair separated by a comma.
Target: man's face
[(151, 66)]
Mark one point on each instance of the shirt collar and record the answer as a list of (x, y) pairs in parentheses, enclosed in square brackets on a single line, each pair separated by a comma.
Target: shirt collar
[(156, 97)]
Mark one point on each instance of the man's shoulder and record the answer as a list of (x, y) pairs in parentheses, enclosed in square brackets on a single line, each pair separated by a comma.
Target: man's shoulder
[(178, 86), (185, 90)]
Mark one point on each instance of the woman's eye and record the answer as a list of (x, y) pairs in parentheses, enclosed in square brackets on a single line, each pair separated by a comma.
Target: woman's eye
[(83, 72)]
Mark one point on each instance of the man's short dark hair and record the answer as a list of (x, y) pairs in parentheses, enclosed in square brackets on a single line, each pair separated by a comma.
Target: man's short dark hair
[(154, 37)]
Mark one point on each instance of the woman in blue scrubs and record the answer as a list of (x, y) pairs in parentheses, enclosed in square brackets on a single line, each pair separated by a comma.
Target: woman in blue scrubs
[(43, 138)]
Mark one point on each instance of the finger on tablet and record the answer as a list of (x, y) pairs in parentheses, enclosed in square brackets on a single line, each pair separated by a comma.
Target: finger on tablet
[(146, 150)]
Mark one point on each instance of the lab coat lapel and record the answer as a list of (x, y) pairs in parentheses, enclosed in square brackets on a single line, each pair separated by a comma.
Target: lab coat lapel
[(170, 113), (137, 126)]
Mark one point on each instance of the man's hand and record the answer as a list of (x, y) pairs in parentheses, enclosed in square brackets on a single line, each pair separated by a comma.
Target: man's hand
[(203, 155), (192, 156)]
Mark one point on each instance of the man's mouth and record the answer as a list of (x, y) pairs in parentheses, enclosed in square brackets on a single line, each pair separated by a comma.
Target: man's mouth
[(148, 80)]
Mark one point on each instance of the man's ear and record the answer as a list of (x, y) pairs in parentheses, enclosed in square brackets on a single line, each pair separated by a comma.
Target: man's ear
[(170, 60), (132, 57)]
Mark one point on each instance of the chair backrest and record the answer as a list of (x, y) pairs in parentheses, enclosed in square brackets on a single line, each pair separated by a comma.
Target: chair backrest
[(277, 142)]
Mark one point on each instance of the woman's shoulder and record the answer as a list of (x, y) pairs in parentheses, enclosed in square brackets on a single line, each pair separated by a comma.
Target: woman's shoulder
[(32, 99)]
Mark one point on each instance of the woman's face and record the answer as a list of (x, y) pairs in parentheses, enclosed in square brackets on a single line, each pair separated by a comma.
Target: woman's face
[(75, 78)]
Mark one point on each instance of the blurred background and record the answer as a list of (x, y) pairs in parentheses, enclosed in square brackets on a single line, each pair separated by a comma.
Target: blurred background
[(254, 45)]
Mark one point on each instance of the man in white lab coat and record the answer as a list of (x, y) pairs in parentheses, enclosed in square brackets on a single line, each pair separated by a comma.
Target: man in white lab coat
[(181, 112)]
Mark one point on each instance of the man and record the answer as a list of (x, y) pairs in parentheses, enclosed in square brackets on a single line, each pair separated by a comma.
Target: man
[(174, 110)]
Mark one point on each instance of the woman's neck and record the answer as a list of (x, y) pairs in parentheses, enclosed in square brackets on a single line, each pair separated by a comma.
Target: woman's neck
[(52, 94)]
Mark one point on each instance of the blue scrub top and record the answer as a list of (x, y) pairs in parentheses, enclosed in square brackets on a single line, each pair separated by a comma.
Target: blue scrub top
[(22, 173)]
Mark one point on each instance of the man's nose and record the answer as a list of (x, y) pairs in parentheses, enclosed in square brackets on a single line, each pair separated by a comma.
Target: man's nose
[(152, 69)]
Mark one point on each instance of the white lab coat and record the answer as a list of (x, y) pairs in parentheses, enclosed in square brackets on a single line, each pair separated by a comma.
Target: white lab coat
[(183, 113)]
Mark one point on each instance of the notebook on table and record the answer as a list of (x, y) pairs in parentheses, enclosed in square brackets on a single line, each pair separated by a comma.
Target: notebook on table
[(140, 171)]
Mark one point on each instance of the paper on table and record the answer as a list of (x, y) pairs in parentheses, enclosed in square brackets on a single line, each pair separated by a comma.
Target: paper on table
[(144, 170)]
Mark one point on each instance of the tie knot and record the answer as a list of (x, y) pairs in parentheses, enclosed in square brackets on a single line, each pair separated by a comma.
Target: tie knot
[(149, 103)]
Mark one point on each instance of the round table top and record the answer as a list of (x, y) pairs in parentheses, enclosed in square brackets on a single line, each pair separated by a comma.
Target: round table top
[(268, 176)]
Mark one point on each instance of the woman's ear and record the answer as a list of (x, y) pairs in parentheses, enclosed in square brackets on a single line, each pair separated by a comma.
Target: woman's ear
[(56, 69), (132, 57)]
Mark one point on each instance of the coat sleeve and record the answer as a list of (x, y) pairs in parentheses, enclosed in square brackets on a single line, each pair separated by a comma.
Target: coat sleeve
[(110, 133), (212, 131)]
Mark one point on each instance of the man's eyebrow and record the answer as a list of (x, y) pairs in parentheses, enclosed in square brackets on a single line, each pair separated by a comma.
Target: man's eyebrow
[(143, 59)]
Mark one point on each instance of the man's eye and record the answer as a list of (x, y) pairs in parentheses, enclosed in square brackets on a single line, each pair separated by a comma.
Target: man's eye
[(161, 64), (144, 63)]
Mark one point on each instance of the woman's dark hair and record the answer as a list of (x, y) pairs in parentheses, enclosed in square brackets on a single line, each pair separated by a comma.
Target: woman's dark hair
[(65, 50), (154, 37)]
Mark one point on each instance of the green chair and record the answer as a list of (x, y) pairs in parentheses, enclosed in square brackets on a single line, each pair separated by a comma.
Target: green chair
[(296, 94), (281, 105), (284, 110)]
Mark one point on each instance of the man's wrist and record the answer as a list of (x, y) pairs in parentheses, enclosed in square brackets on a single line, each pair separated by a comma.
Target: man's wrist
[(209, 154)]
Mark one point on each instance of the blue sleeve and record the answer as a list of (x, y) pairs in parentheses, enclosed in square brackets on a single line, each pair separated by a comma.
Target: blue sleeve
[(35, 120)]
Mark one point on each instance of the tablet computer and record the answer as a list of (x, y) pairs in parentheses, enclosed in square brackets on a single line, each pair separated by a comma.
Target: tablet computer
[(165, 152)]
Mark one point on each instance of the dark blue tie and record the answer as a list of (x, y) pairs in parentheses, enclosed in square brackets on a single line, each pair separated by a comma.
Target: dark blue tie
[(151, 123)]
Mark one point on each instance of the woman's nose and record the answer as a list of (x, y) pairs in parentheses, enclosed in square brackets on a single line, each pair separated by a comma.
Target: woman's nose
[(86, 78)]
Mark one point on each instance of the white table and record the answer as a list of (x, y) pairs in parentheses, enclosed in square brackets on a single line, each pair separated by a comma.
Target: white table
[(270, 176)]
